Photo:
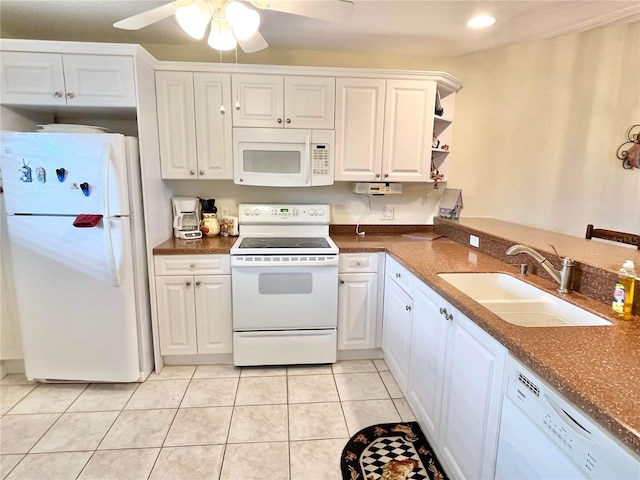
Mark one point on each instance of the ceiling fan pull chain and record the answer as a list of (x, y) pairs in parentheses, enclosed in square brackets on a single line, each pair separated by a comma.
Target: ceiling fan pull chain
[(237, 104), (222, 109)]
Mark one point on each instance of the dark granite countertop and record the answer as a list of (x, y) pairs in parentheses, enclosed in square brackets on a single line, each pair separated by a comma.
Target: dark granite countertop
[(596, 368)]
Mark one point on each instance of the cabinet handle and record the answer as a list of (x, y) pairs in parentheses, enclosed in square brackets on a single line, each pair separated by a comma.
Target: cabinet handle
[(377, 175), (398, 275), (69, 95), (447, 316), (407, 308), (192, 172), (198, 283), (288, 120), (386, 175), (341, 282), (279, 120), (58, 94), (188, 283), (201, 172), (193, 265)]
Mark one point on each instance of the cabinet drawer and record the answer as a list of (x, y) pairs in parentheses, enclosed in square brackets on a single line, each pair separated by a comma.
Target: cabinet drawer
[(192, 264), (358, 262), (399, 274)]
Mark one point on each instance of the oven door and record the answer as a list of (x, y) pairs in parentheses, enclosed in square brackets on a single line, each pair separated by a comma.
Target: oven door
[(285, 297)]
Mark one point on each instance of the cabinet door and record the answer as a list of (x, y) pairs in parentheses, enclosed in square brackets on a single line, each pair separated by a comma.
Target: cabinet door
[(32, 79), (357, 310), (213, 313), (176, 124), (471, 400), (176, 315), (261, 99), (408, 130), (213, 126), (99, 80), (428, 348), (359, 124), (396, 331), (309, 102)]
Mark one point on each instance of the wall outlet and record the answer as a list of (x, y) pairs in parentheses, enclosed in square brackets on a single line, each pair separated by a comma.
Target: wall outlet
[(386, 212), (474, 241)]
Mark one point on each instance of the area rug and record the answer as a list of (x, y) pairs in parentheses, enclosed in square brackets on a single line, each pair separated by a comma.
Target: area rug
[(390, 451)]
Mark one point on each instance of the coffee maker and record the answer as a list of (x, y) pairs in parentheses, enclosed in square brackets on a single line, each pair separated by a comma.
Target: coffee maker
[(186, 217)]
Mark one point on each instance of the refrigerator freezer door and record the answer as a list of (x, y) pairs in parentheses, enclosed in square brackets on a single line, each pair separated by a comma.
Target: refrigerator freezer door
[(65, 173), (76, 324)]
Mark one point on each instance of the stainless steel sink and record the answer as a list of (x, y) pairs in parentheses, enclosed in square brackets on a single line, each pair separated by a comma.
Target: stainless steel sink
[(520, 303)]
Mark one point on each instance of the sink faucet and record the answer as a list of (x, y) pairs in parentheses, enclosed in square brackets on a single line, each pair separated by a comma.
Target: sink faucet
[(562, 277)]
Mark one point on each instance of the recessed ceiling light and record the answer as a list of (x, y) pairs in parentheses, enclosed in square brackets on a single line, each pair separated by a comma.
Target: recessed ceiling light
[(481, 21)]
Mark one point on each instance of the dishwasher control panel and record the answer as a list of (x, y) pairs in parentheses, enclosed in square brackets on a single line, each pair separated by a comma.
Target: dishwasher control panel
[(588, 446)]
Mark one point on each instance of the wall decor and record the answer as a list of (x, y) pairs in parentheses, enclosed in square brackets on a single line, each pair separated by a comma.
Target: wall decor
[(629, 151)]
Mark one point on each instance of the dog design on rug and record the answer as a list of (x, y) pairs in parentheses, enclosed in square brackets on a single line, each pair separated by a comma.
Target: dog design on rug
[(398, 469)]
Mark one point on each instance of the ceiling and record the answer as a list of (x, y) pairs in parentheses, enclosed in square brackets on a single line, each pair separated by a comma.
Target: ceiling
[(419, 27)]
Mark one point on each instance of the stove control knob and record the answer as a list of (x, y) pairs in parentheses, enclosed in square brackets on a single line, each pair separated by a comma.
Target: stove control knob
[(256, 212), (321, 212), (247, 211), (312, 212)]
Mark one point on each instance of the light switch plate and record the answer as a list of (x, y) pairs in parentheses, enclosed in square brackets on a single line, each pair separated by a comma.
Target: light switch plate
[(474, 241)]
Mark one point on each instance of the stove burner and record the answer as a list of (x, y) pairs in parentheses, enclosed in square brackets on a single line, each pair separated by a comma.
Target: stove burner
[(284, 242)]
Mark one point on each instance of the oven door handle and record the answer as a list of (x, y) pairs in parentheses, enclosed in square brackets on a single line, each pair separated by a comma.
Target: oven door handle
[(262, 266), (307, 146)]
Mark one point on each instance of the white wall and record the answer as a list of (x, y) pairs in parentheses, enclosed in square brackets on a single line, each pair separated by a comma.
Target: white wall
[(537, 127), (416, 204)]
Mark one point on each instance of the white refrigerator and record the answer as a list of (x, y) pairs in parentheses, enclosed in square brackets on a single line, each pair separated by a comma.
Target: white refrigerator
[(76, 233)]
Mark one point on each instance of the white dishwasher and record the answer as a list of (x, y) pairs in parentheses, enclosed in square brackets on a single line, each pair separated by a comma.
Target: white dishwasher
[(544, 437)]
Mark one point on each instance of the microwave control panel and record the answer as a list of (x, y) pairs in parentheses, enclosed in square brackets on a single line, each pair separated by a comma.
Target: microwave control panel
[(320, 159)]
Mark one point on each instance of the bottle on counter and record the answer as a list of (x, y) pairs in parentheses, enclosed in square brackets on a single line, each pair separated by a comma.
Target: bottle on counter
[(623, 293)]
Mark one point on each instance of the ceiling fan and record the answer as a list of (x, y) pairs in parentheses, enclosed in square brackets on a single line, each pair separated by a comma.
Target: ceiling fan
[(234, 22)]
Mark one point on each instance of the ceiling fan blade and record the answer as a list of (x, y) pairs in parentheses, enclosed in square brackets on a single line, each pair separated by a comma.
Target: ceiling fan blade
[(141, 20), (330, 10), (255, 43)]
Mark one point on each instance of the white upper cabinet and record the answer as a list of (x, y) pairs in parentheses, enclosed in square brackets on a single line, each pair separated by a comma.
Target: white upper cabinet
[(359, 124), (385, 128), (284, 101), (408, 130), (49, 79), (195, 131)]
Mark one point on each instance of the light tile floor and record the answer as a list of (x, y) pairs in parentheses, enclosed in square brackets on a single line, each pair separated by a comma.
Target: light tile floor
[(189, 423)]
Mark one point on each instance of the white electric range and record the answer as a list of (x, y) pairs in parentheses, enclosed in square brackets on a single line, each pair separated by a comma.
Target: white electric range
[(284, 279)]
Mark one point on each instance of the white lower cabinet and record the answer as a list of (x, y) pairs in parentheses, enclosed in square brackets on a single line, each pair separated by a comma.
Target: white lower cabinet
[(359, 301), (194, 311), (454, 380), (397, 321)]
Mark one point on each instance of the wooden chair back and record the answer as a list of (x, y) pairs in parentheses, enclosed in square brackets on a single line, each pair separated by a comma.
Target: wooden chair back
[(628, 238)]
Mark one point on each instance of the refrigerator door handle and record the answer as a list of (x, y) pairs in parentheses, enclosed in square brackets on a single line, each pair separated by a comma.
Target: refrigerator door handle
[(111, 257)]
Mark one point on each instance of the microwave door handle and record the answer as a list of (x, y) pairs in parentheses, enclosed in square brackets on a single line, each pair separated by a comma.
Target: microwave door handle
[(307, 145)]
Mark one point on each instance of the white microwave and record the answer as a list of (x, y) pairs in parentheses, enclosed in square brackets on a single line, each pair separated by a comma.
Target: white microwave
[(276, 157)]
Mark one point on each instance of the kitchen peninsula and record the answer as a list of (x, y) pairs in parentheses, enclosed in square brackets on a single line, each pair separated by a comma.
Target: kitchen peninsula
[(595, 368)]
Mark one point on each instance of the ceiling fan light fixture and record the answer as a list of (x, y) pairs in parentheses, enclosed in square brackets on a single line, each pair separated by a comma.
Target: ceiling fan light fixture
[(194, 18), (221, 36), (481, 21), (244, 21)]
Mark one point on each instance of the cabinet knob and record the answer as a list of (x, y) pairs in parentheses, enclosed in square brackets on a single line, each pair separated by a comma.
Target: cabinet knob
[(386, 175), (193, 265), (58, 94), (279, 120), (288, 120), (198, 283), (192, 172), (447, 316), (201, 172), (69, 95), (341, 282), (377, 175), (188, 283), (407, 308)]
